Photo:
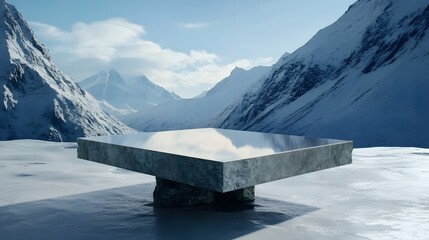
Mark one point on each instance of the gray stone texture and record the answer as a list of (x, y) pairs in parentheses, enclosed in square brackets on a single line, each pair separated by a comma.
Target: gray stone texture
[(240, 195), (253, 171), (190, 170), (169, 194), (218, 176)]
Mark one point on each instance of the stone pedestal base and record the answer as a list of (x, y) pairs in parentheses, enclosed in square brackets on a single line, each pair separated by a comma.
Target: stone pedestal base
[(174, 194)]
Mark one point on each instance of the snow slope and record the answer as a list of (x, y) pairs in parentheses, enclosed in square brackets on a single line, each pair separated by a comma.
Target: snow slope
[(120, 97), (49, 194), (200, 111), (201, 94), (37, 100), (363, 78)]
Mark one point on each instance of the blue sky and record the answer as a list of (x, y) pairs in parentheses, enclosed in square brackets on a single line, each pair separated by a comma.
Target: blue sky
[(186, 46)]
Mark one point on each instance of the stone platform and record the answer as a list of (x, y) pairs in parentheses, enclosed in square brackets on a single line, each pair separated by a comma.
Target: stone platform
[(174, 194), (199, 166)]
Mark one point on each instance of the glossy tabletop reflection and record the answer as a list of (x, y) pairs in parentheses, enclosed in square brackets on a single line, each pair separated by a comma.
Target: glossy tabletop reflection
[(215, 144)]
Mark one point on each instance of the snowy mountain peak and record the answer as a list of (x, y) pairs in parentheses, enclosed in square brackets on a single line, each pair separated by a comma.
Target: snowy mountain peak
[(39, 101), (362, 78), (119, 96), (237, 69), (113, 71), (104, 77), (21, 44), (114, 76), (200, 111)]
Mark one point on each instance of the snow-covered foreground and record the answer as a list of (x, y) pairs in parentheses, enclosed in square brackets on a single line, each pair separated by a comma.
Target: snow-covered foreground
[(47, 193)]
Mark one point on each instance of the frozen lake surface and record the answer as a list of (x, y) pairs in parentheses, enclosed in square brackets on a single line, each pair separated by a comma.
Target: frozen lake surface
[(47, 193)]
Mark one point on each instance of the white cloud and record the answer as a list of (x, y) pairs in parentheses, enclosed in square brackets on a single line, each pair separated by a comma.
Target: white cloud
[(194, 25), (117, 43)]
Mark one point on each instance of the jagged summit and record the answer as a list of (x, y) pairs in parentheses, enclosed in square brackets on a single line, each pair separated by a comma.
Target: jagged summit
[(17, 42), (39, 101), (237, 69)]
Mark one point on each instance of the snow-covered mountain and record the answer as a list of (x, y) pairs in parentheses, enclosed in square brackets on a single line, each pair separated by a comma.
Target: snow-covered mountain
[(365, 78), (119, 96), (200, 111), (38, 100)]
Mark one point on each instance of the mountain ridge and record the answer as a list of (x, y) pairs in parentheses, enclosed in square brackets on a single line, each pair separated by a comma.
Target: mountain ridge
[(350, 69), (198, 112), (361, 78), (123, 96), (39, 101)]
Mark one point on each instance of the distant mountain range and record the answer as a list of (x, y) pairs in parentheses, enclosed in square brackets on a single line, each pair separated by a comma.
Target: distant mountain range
[(38, 100), (364, 78), (202, 110), (121, 97)]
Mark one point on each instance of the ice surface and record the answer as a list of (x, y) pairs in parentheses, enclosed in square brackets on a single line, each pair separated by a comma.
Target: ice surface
[(47, 193)]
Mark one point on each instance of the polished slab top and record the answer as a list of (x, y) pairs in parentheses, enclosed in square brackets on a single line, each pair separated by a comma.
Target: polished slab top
[(214, 144)]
